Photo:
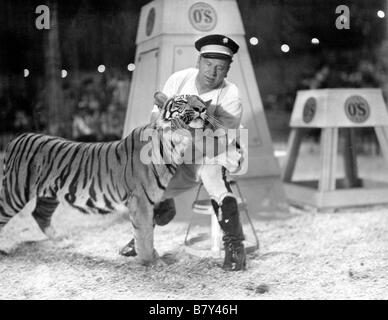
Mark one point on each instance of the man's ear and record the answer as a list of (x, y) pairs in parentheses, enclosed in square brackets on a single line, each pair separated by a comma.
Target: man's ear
[(228, 68), (159, 99), (197, 64)]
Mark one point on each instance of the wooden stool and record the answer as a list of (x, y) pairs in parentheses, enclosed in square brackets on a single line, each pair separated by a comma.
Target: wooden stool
[(204, 206), (332, 110)]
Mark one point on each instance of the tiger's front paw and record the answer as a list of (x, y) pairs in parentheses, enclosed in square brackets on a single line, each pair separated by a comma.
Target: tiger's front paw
[(153, 261), (51, 233), (156, 263), (159, 263)]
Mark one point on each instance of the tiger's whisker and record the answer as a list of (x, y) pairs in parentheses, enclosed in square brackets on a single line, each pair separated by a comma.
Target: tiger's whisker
[(216, 123)]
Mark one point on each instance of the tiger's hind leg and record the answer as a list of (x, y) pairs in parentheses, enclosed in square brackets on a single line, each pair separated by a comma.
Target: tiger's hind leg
[(4, 216), (45, 207), (8, 210), (9, 207)]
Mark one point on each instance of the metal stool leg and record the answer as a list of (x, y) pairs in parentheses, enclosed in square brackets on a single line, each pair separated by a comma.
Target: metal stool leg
[(245, 209), (215, 228), (188, 229), (192, 214)]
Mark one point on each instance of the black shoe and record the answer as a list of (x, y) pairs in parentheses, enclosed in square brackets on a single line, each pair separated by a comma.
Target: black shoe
[(235, 257), (228, 218), (228, 260), (129, 249)]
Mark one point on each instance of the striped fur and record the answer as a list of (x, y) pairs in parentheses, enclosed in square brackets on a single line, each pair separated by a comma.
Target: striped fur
[(94, 177)]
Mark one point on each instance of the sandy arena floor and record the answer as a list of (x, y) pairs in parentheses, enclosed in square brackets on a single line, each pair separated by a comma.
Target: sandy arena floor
[(308, 255)]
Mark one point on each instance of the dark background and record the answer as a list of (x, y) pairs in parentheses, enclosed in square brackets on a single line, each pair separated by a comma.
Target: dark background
[(91, 33)]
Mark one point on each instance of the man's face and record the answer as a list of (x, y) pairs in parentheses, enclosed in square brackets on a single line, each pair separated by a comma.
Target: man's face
[(212, 72)]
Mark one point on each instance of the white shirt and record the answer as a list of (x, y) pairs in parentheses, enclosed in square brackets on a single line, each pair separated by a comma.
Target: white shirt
[(228, 112), (183, 82)]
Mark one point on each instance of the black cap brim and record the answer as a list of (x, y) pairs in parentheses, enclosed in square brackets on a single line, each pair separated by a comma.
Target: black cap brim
[(213, 55)]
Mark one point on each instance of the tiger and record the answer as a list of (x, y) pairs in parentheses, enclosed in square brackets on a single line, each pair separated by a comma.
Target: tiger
[(99, 177)]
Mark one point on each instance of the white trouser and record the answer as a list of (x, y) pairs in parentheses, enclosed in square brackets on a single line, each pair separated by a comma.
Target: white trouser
[(210, 170), (214, 181), (188, 176)]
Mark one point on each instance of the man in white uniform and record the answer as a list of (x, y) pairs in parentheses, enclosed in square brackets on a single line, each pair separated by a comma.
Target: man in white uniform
[(209, 83)]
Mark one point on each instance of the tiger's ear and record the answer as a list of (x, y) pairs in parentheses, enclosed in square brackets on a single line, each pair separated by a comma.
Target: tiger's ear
[(207, 103), (159, 99), (211, 108)]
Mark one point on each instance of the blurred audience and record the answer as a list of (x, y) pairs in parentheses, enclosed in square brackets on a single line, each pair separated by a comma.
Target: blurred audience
[(97, 105), (97, 102), (100, 110)]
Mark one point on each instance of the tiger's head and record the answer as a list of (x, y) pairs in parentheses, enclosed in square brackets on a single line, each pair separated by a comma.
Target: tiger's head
[(182, 111)]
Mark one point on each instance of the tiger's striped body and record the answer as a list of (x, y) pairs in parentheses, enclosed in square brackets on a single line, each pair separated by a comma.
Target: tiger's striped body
[(92, 177), (70, 171)]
